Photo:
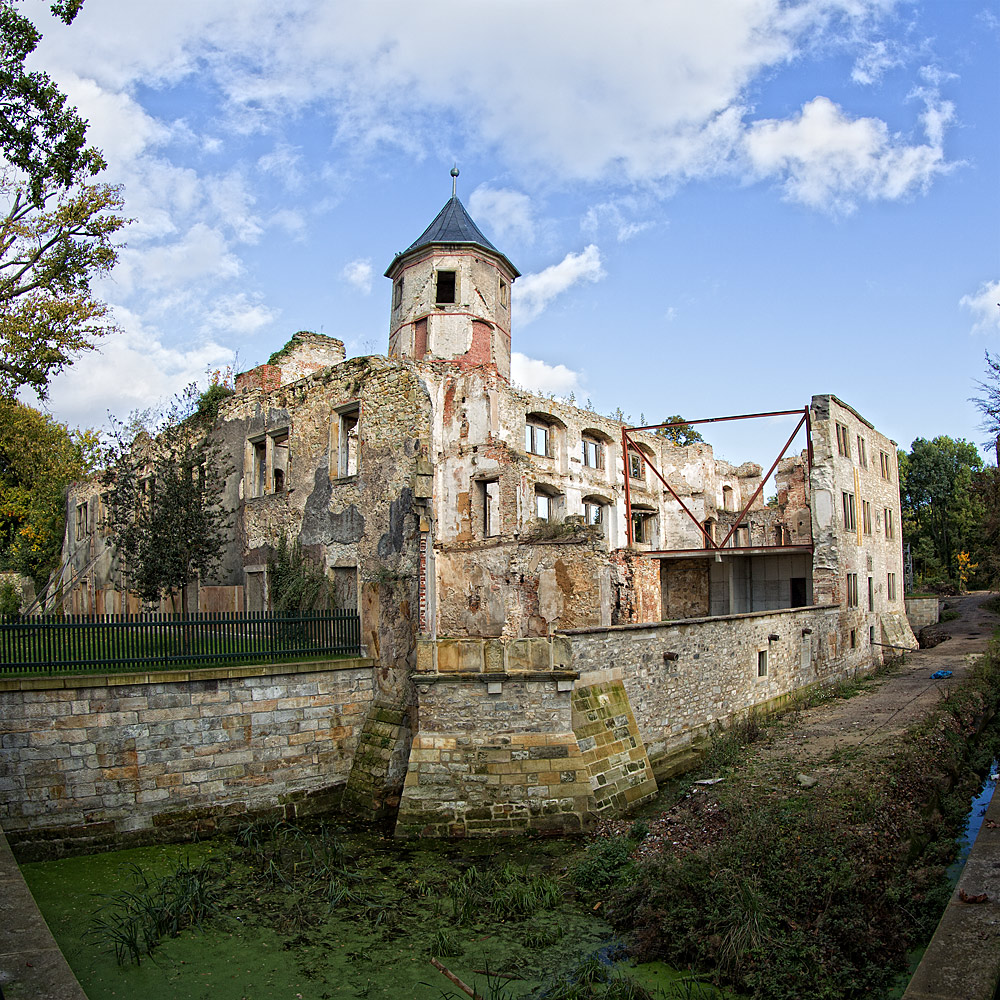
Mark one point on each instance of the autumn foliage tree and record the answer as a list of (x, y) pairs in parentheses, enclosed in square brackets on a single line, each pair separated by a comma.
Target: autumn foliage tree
[(39, 458), (57, 223)]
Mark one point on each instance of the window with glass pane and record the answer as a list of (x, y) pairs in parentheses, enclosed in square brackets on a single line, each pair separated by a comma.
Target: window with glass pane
[(592, 453), (536, 439)]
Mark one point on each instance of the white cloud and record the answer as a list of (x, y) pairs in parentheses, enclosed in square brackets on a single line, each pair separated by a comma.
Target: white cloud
[(129, 371), (618, 215), (200, 255), (874, 61), (537, 376), (827, 160), (507, 213), (291, 221), (984, 305), (533, 292), (665, 103), (284, 162), (359, 274), (240, 314)]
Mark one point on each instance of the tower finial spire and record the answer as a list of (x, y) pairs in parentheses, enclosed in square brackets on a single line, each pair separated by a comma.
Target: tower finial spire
[(454, 181)]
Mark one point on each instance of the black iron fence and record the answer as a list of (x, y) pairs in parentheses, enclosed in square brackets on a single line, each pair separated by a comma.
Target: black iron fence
[(152, 641)]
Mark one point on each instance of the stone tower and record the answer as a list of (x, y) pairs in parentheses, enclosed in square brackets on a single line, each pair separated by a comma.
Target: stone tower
[(451, 294)]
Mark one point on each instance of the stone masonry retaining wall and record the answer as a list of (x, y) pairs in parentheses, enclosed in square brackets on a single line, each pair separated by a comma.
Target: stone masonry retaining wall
[(111, 759), (608, 737), (494, 755), (681, 677), (921, 611)]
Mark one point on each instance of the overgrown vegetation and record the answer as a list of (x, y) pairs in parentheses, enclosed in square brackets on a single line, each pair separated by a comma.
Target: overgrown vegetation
[(132, 922), (297, 583), (943, 515), (164, 502), (817, 892)]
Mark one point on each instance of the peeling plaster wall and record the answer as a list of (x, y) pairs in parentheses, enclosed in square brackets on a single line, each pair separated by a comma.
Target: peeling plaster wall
[(369, 520)]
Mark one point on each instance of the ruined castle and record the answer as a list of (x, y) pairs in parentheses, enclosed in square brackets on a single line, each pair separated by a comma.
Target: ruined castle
[(555, 608)]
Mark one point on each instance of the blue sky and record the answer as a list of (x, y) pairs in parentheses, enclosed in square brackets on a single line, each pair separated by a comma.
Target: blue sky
[(718, 207)]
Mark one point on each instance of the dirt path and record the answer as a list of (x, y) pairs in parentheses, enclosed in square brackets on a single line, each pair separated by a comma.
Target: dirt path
[(898, 700)]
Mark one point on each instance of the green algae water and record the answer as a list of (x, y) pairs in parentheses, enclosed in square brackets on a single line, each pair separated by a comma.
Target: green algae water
[(338, 914)]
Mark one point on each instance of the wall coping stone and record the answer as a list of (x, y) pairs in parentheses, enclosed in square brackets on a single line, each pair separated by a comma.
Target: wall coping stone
[(673, 623), (60, 681), (514, 675)]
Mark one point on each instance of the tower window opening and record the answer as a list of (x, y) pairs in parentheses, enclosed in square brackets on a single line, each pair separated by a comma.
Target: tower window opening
[(445, 292)]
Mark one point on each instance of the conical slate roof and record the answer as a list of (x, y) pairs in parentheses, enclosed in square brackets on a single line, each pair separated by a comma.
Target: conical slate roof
[(452, 224)]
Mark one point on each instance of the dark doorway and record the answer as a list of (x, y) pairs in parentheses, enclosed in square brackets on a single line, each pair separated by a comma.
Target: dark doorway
[(798, 584)]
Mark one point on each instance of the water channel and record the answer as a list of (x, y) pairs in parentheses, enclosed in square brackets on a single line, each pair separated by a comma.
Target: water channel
[(362, 921)]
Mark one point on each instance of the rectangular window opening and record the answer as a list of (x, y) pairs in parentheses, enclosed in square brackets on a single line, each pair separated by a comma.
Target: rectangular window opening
[(536, 439), (593, 514), (491, 508), (279, 462), (593, 454), (843, 441), (349, 459), (761, 662), (850, 519), (852, 590), (854, 638), (260, 468), (445, 291), (543, 507)]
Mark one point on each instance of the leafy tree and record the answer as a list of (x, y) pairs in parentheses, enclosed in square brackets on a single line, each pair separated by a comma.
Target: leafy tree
[(681, 434), (164, 505), (988, 401), (57, 224), (941, 511), (40, 136), (39, 458)]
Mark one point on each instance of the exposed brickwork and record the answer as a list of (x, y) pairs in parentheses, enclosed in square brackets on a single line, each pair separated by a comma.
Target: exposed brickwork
[(265, 377)]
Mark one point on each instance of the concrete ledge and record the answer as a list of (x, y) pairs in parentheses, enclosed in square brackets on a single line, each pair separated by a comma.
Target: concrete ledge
[(513, 675), (963, 958), (31, 964), (673, 623), (52, 682)]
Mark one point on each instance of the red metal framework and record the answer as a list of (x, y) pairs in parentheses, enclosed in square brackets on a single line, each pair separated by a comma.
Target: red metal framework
[(629, 446)]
